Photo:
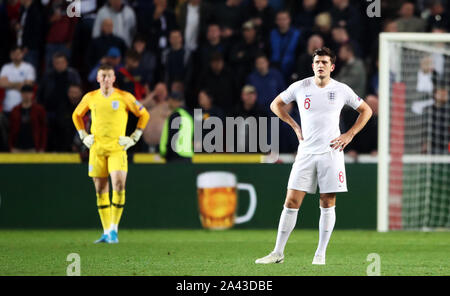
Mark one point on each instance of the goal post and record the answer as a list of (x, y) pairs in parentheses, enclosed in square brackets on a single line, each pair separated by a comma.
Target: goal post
[(413, 189)]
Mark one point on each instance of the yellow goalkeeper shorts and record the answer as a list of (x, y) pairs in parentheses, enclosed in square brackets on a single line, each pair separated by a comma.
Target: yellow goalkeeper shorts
[(101, 162)]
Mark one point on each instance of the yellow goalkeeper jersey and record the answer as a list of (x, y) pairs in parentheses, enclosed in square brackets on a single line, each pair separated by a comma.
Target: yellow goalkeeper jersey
[(109, 116)]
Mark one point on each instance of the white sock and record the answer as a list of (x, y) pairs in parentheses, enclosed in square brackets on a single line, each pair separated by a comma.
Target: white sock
[(326, 225), (114, 227), (287, 223)]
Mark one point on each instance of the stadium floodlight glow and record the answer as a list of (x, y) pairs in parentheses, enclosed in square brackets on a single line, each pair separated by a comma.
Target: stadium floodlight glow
[(413, 190)]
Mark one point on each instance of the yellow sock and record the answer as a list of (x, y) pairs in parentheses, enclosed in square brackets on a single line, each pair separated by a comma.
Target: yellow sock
[(118, 201), (104, 210)]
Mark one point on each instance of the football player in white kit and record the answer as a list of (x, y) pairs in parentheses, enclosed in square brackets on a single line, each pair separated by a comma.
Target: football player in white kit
[(320, 156)]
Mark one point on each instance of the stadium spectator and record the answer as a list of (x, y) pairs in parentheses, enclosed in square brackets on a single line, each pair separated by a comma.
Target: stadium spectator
[(248, 106), (174, 59), (72, 140), (29, 31), (148, 62), (347, 16), (284, 41), (352, 71), (243, 53), (82, 37), (130, 78), (28, 126), (52, 94), (435, 120), (322, 26), (213, 44), (229, 15), (340, 36), (193, 18), (304, 61), (426, 75), (206, 103), (262, 16), (13, 76), (100, 45), (268, 82), (123, 18), (155, 24), (439, 17), (304, 19), (407, 21), (113, 57), (158, 108), (60, 32), (250, 110), (176, 144), (220, 81), (9, 15)]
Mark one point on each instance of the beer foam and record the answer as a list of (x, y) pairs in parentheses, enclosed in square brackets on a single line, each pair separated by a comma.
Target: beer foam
[(216, 179)]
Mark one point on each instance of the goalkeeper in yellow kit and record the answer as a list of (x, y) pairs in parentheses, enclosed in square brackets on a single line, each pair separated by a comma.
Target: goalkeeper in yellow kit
[(107, 142)]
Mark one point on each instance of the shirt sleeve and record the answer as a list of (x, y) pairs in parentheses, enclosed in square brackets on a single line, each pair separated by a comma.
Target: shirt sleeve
[(80, 111), (3, 71), (288, 95), (31, 74), (351, 98), (134, 106)]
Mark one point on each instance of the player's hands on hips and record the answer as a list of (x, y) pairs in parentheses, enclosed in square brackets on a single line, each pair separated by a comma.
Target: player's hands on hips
[(87, 139), (342, 141), (127, 142)]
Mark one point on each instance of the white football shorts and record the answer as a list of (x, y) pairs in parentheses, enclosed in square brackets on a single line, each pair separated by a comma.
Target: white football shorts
[(326, 170)]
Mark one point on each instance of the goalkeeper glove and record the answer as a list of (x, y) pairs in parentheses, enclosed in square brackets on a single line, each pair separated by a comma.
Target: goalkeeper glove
[(127, 142), (86, 138)]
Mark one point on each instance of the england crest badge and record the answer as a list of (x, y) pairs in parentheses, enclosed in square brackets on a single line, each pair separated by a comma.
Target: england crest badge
[(331, 97), (115, 105)]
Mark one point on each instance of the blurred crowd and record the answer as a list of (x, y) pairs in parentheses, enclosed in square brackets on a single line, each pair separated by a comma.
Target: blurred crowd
[(227, 57)]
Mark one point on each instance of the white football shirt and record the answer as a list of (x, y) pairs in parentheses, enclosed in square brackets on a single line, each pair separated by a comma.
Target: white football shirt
[(23, 72), (320, 109)]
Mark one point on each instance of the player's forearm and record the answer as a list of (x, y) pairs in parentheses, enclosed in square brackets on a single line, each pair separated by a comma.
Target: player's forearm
[(360, 122), (78, 121), (5, 83), (277, 107), (143, 119)]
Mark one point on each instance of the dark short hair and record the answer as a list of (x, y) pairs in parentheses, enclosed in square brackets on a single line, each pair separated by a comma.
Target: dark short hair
[(348, 46), (133, 54), (14, 48), (59, 54), (105, 67), (27, 88), (216, 56), (177, 96), (325, 51)]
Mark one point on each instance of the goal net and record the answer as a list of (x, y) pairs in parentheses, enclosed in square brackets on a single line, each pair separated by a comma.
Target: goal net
[(414, 132)]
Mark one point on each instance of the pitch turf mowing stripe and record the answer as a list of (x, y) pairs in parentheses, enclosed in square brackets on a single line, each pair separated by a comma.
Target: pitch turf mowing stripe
[(220, 253)]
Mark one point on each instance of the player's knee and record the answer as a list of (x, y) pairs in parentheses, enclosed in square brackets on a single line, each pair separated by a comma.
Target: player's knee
[(327, 200), (119, 185), (292, 203)]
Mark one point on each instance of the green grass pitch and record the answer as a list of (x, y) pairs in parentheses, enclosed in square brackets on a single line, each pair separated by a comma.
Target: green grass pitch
[(221, 253)]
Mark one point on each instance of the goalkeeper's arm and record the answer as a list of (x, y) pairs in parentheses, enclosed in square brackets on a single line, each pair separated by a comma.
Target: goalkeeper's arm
[(77, 118), (127, 142)]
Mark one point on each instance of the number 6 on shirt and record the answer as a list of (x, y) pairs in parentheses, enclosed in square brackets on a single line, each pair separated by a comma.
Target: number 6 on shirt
[(307, 103)]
